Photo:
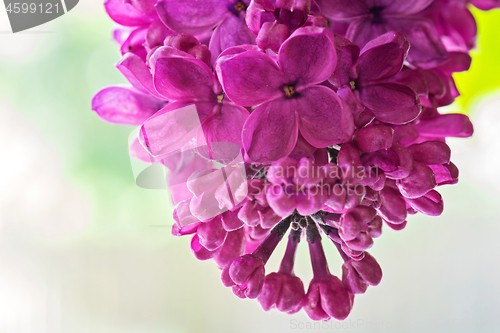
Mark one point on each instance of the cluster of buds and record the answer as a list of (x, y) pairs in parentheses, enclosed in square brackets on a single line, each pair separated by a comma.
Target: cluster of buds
[(308, 117)]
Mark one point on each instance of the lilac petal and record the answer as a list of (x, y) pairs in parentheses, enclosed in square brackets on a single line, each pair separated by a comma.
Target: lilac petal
[(185, 220), (283, 171), (375, 227), (352, 280), (193, 17), (343, 10), (255, 283), (250, 78), (347, 56), (458, 62), (230, 221), (125, 14), (270, 131), (147, 7), (361, 243), (281, 201), (173, 126), (391, 102), (181, 231), (226, 125), (258, 13), (485, 4), (392, 206), (383, 57), (135, 43), (349, 154), (368, 269), (272, 35), (420, 181), (123, 105), (231, 32), (415, 79), (405, 134), (310, 203), (324, 119), (405, 162), (431, 152), (445, 173), (205, 206), (233, 247), (404, 7), (430, 204), (243, 268), (199, 251), (137, 73), (397, 226), (184, 79), (291, 296), (349, 227), (327, 297), (456, 25), (357, 109), (156, 35), (137, 151), (271, 291), (364, 30), (451, 124), (426, 51), (373, 138), (385, 159), (212, 234), (308, 56)]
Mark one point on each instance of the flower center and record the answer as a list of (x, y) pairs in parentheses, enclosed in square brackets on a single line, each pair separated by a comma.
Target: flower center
[(240, 6), (220, 98), (353, 84), (377, 14), (289, 91)]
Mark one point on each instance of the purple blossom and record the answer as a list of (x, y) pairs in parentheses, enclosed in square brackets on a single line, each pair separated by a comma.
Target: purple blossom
[(364, 80), (370, 19), (289, 97)]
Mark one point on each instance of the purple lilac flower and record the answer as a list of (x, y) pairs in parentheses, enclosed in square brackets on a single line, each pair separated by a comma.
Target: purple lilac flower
[(289, 95), (324, 115), (370, 19)]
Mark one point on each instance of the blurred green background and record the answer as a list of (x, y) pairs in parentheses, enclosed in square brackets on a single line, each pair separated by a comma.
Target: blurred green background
[(83, 249)]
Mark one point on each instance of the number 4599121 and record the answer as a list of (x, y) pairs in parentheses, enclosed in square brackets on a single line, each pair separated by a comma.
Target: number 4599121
[(42, 8)]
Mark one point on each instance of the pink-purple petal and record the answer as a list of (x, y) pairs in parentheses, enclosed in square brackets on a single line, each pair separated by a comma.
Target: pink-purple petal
[(383, 57), (324, 120), (184, 79), (250, 78), (191, 16), (391, 102), (123, 105), (308, 56), (271, 130)]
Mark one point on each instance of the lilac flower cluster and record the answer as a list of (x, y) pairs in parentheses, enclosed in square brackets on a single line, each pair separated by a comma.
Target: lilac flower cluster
[(324, 115)]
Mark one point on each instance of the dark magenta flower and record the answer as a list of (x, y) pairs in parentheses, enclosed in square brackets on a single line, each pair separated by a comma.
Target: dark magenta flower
[(198, 107), (364, 80), (370, 19), (326, 296), (283, 289), (288, 96), (274, 21), (199, 16)]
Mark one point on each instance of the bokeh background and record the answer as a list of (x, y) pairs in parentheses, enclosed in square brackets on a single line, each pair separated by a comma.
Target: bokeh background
[(83, 249)]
